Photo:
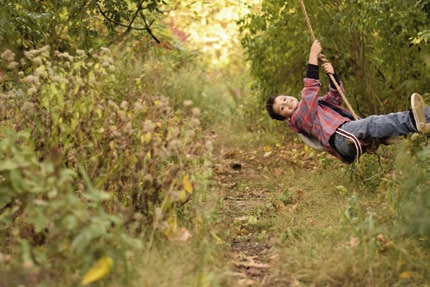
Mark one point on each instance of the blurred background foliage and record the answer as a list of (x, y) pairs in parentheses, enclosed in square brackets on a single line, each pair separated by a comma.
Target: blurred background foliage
[(370, 44), (109, 113)]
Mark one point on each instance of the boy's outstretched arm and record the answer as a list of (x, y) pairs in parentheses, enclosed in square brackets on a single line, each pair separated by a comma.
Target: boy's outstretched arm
[(312, 69), (316, 49)]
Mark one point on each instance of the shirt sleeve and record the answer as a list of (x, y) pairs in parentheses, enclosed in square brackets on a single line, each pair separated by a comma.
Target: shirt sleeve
[(312, 87), (304, 116), (336, 78), (312, 72)]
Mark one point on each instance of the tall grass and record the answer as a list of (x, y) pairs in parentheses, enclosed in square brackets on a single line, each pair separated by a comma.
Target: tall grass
[(349, 233)]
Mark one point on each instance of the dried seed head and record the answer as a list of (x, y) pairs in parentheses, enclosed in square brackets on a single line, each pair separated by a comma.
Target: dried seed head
[(8, 56), (188, 103), (196, 112)]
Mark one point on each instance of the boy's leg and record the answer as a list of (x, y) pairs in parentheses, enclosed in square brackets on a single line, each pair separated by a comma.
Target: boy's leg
[(382, 127), (391, 125), (418, 110)]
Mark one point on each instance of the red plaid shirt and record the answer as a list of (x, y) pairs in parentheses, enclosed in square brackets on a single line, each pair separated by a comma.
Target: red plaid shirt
[(320, 116)]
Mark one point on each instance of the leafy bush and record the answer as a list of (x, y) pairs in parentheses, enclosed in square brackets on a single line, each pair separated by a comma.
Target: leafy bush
[(93, 166), (45, 220), (395, 226), (413, 205)]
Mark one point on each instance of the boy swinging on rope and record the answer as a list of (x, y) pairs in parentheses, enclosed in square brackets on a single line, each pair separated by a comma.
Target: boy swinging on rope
[(333, 126)]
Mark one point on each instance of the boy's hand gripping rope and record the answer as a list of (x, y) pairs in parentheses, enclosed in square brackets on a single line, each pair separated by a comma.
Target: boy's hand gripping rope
[(324, 60)]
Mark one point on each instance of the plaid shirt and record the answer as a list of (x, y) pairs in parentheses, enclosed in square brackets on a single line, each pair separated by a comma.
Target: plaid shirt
[(320, 116)]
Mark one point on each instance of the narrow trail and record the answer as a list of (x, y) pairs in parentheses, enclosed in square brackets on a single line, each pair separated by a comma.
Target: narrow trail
[(243, 199), (250, 186)]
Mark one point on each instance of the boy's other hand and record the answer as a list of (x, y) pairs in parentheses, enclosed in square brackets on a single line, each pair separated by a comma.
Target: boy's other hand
[(328, 68)]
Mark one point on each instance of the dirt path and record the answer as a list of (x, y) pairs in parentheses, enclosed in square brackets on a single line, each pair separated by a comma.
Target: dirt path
[(250, 196), (251, 254)]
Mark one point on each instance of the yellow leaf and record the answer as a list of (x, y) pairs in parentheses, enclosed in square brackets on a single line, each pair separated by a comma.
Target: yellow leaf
[(187, 184), (99, 270), (405, 275), (183, 196), (99, 113), (267, 148), (173, 224), (218, 240), (146, 138)]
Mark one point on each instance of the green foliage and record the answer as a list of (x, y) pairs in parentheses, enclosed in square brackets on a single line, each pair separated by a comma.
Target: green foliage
[(62, 25), (368, 46), (103, 165), (413, 205), (45, 220), (397, 225), (68, 25), (422, 37)]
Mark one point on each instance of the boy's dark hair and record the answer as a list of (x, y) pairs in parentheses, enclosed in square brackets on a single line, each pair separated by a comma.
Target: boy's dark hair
[(269, 107)]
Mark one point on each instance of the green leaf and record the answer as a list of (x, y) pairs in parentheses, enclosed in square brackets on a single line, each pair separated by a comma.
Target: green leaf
[(82, 240), (39, 220), (5, 197), (8, 164), (97, 195)]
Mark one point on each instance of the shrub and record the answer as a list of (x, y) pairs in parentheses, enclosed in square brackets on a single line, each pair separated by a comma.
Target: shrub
[(101, 165)]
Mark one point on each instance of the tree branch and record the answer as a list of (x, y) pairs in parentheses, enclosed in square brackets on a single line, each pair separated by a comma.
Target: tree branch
[(148, 28), (139, 8), (128, 26)]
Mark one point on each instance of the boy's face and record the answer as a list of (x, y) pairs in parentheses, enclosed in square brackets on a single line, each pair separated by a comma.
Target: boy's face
[(285, 105)]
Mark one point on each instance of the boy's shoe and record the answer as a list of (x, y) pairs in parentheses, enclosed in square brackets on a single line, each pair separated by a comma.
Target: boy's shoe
[(417, 104)]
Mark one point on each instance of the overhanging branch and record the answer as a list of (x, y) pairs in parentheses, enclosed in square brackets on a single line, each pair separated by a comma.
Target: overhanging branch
[(129, 26)]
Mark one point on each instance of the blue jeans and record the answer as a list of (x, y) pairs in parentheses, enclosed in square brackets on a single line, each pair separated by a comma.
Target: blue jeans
[(380, 127)]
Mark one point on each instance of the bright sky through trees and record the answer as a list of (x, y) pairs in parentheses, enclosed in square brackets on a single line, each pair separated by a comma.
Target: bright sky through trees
[(211, 27)]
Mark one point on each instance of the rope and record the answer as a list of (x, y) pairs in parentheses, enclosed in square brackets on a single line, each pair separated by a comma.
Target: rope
[(307, 20), (324, 60)]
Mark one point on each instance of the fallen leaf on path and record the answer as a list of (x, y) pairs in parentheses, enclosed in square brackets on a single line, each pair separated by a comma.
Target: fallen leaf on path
[(250, 263), (182, 235), (278, 171), (405, 275), (353, 242), (294, 207), (267, 154), (246, 282)]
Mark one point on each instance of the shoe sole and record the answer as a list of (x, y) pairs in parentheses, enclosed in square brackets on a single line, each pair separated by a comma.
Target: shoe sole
[(417, 104)]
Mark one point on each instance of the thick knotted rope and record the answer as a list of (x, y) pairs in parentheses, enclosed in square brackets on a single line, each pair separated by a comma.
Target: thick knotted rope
[(324, 60)]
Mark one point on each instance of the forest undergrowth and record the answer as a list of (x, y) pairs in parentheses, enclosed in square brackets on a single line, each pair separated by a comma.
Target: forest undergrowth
[(115, 173), (294, 217)]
